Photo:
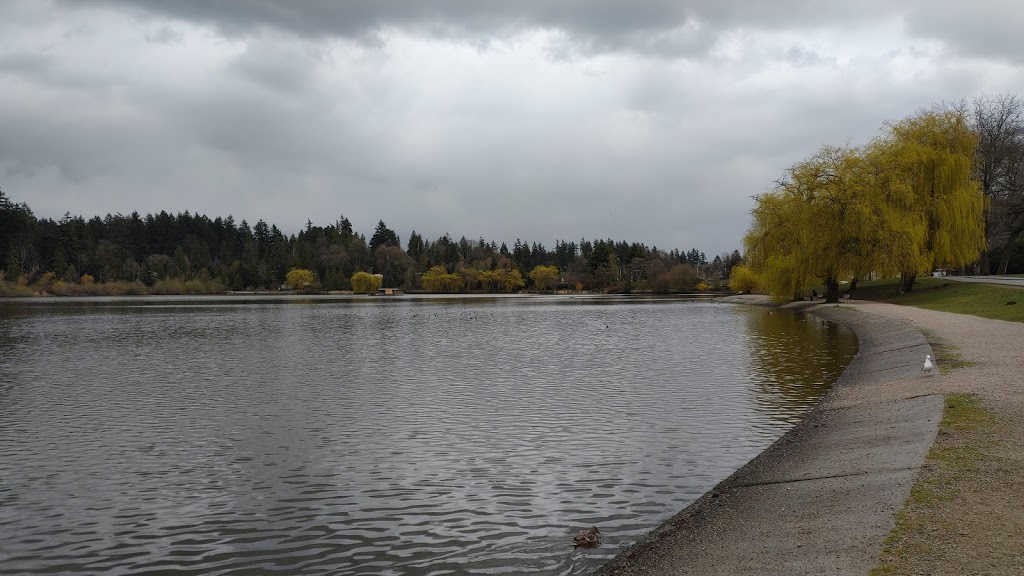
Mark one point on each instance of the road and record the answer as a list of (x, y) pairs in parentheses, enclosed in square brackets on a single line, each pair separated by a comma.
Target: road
[(1007, 280)]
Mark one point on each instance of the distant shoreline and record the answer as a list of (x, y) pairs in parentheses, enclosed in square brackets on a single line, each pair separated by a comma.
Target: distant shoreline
[(350, 294)]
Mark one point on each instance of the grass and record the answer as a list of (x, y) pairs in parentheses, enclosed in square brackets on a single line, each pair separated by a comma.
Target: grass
[(985, 300), (932, 513), (921, 525), (947, 357)]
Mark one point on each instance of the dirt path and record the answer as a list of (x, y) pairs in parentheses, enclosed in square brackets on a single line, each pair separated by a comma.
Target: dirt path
[(971, 522)]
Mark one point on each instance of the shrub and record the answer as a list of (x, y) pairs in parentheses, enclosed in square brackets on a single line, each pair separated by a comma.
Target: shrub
[(744, 280), (43, 283), (300, 279), (12, 289), (365, 283)]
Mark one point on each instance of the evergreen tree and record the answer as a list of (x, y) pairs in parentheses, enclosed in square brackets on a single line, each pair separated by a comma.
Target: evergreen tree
[(384, 236), (416, 247)]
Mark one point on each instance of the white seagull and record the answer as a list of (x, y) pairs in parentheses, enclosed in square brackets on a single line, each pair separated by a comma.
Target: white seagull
[(928, 366)]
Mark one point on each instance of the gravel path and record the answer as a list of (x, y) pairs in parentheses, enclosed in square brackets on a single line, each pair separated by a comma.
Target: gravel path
[(995, 346), (979, 529)]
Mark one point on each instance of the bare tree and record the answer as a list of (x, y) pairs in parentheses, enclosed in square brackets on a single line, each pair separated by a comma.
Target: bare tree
[(1008, 205), (999, 123)]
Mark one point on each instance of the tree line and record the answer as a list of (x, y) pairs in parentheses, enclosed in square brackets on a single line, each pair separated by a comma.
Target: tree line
[(942, 189), (192, 253)]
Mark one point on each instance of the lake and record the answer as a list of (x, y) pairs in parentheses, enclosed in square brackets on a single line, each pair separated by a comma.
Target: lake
[(412, 435)]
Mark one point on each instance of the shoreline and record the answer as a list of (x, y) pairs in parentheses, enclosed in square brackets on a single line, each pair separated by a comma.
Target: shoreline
[(397, 294), (822, 498)]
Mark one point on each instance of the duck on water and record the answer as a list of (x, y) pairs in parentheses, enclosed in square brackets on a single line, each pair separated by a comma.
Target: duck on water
[(587, 538)]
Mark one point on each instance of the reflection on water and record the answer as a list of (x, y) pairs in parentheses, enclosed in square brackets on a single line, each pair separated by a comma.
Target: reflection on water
[(789, 353), (405, 436)]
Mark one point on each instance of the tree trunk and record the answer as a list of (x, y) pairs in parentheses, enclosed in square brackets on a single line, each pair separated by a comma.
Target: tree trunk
[(907, 282), (831, 290), (983, 260), (1004, 261)]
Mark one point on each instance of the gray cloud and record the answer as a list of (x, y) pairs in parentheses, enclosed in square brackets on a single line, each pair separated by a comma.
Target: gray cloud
[(666, 27), (987, 28), (648, 121), (649, 26), (25, 64), (166, 35), (278, 66)]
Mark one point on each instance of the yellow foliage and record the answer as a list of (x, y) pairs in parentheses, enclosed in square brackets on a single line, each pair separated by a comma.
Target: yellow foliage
[(544, 276), (365, 283), (743, 279), (509, 279), (774, 243), (487, 280), (437, 279), (502, 280), (903, 204), (86, 279), (299, 278), (470, 277), (935, 150)]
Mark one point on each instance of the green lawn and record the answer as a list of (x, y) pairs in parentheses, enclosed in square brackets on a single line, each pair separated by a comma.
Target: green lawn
[(985, 300)]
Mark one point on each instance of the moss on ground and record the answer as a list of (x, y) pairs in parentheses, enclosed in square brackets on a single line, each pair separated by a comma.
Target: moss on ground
[(951, 461), (947, 357)]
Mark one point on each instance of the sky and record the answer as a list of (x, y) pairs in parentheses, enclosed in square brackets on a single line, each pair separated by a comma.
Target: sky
[(647, 121)]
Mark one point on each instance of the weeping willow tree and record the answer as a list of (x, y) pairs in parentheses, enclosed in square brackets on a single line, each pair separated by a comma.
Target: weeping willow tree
[(933, 152), (814, 225), (841, 216), (893, 226), (903, 204), (772, 246)]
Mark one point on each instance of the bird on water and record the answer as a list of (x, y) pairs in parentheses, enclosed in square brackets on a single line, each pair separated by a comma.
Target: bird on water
[(587, 538), (928, 366)]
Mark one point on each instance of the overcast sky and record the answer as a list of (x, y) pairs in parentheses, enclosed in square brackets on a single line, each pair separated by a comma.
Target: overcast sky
[(650, 121)]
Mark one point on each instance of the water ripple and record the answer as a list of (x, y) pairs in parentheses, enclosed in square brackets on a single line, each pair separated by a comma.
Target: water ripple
[(421, 436)]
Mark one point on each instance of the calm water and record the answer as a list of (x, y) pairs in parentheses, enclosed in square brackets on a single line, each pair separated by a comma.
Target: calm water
[(380, 436)]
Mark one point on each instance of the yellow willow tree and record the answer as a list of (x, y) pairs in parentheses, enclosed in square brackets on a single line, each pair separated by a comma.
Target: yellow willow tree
[(933, 152), (816, 224), (438, 279), (904, 204), (837, 214), (544, 276), (365, 283), (773, 243), (893, 226), (300, 278)]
